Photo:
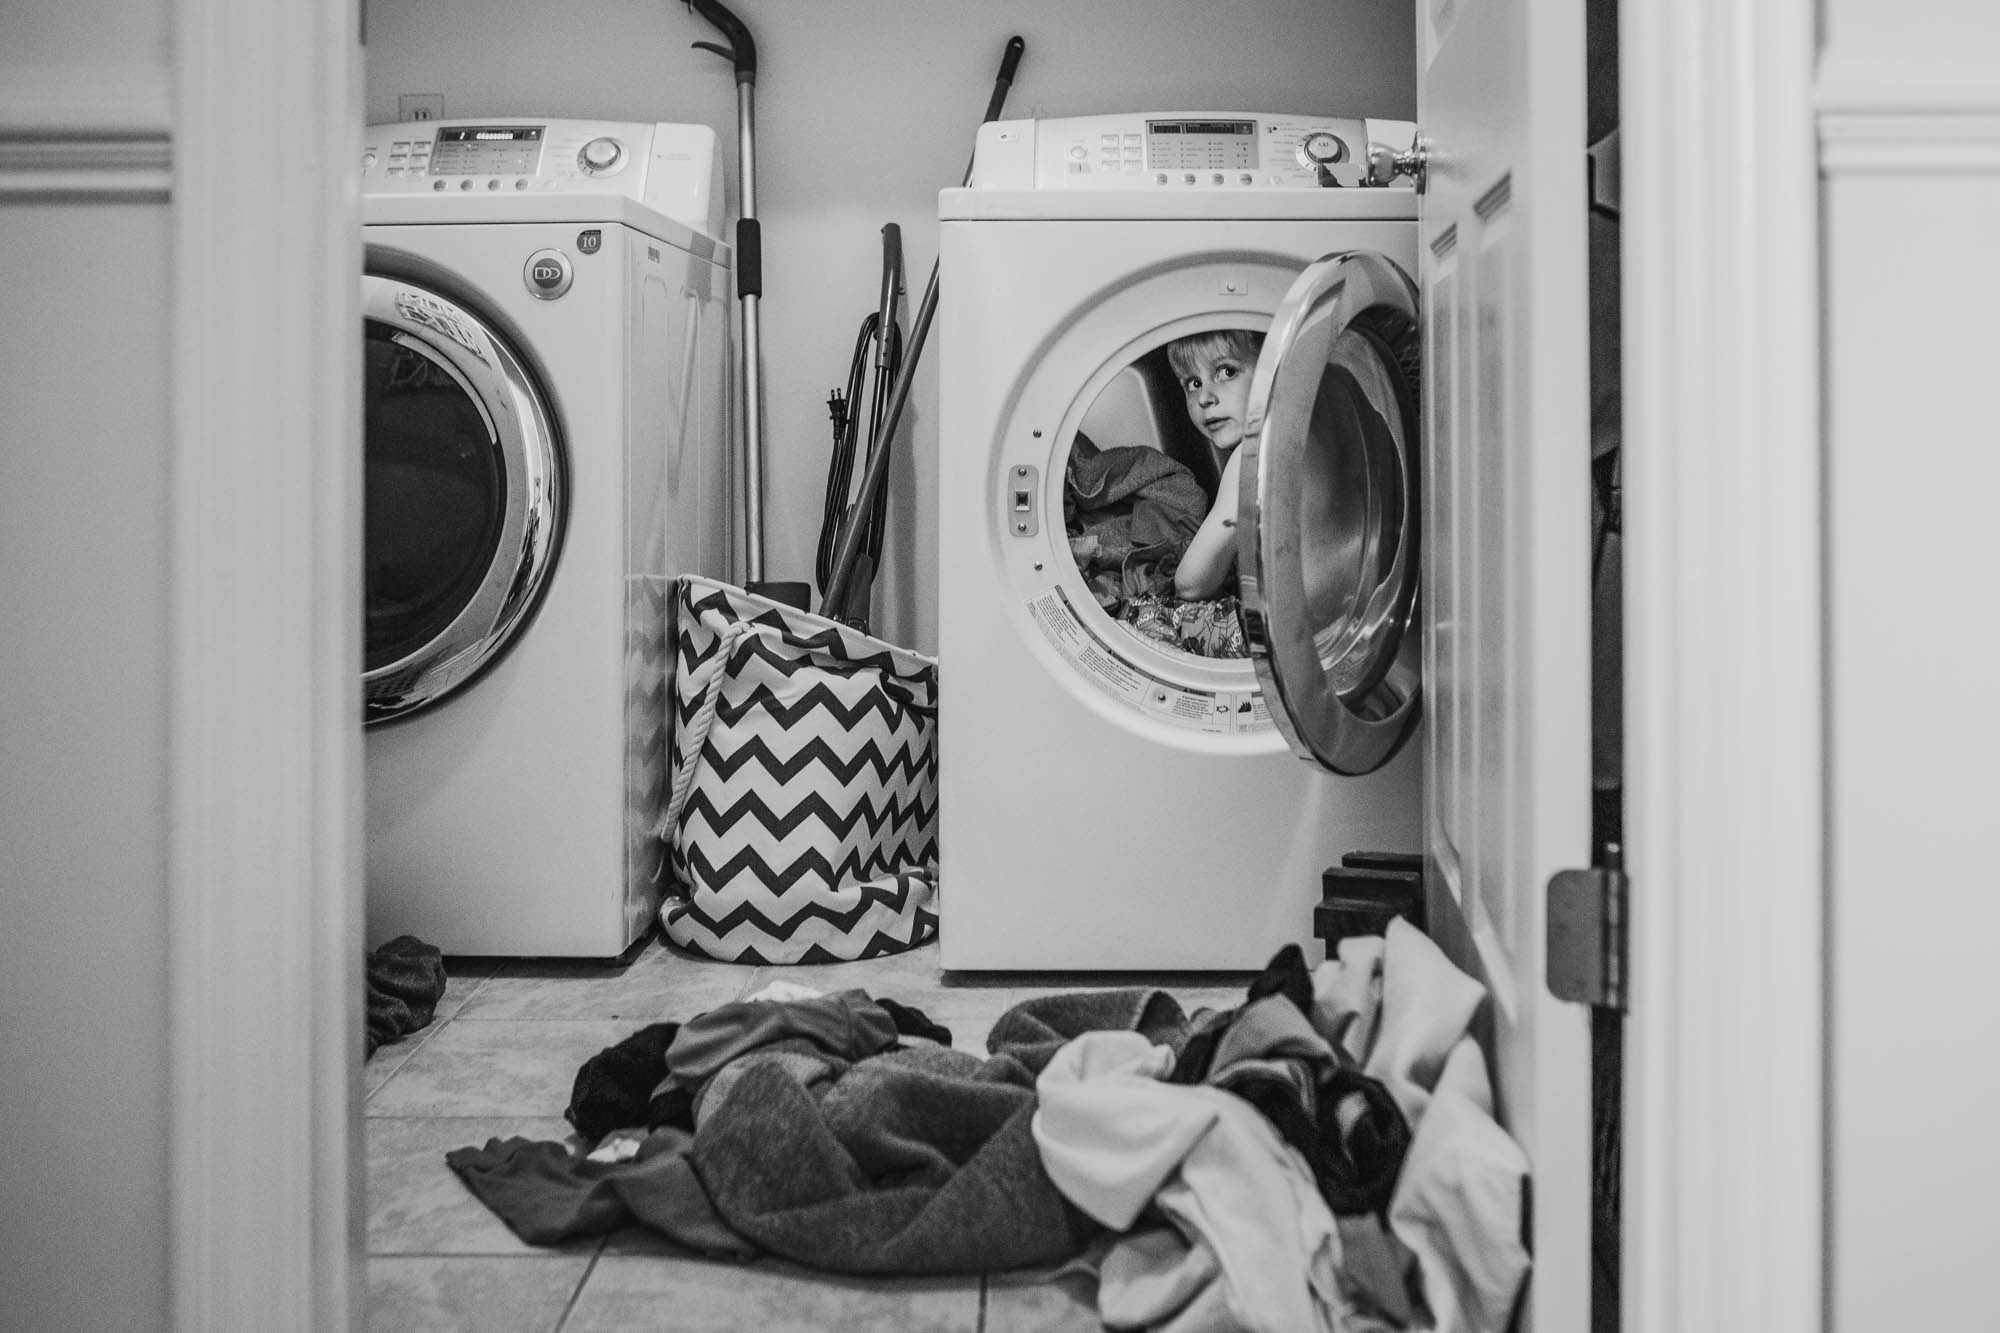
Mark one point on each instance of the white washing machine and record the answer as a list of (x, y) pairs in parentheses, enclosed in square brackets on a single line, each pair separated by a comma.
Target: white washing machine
[(1111, 797), (547, 427)]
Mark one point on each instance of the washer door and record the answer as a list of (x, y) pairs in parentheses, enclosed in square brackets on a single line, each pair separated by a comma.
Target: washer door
[(1327, 513), (464, 495)]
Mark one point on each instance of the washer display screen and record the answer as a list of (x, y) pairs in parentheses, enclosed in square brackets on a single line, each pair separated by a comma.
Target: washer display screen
[(1201, 145), (487, 150)]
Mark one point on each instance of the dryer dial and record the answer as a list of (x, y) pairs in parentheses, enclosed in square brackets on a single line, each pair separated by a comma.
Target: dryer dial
[(601, 157), (1321, 148)]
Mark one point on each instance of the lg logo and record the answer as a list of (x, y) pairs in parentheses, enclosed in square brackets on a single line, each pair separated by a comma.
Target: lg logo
[(548, 274)]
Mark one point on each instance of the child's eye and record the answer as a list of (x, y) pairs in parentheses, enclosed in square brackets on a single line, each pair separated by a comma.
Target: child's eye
[(1192, 384), (1227, 370)]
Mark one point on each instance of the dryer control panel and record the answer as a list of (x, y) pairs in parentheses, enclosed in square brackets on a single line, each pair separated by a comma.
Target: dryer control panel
[(1183, 150), (672, 169)]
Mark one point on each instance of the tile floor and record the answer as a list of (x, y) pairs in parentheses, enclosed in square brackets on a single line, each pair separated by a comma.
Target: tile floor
[(499, 1059)]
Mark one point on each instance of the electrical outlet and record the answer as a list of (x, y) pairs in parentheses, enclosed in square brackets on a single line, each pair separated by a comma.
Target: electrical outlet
[(420, 106)]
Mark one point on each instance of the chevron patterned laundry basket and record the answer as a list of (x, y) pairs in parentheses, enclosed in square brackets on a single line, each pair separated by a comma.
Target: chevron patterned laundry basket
[(802, 816)]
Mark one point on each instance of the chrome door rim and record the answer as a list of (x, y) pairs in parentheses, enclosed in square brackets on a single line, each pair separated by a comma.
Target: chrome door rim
[(1346, 695), (525, 435)]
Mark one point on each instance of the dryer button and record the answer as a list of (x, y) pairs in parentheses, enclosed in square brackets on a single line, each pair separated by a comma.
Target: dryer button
[(547, 274)]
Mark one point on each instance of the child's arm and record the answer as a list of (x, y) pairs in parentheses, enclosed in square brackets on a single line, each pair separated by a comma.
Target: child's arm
[(1212, 554)]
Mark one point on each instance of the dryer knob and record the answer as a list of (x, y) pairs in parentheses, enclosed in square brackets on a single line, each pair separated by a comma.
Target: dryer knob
[(601, 156)]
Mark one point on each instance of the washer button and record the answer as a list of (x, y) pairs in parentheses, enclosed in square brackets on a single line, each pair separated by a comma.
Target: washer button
[(547, 274)]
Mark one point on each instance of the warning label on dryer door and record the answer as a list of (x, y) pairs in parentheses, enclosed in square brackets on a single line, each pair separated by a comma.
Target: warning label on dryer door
[(1227, 711)]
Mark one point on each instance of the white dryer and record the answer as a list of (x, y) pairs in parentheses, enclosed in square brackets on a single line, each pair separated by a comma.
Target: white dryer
[(546, 327), (1110, 799)]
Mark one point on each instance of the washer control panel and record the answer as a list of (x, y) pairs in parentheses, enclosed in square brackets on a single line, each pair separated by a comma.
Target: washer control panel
[(673, 169), (1182, 151)]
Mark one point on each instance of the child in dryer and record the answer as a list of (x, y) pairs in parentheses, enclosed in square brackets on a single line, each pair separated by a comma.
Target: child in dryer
[(1214, 371)]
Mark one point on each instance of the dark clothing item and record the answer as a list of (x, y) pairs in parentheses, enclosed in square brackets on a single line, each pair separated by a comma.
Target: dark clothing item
[(1345, 1124), (615, 1087), (1128, 512), (548, 1195), (914, 1022), (1287, 975), (405, 980)]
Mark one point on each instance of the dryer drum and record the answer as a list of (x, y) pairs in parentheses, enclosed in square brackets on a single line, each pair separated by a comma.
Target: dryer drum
[(1327, 529), (463, 496)]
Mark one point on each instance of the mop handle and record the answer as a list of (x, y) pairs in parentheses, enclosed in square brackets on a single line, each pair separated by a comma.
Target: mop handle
[(835, 598)]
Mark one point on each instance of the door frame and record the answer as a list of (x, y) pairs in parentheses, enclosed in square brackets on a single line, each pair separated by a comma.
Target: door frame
[(264, 758), (1725, 632), (1725, 669)]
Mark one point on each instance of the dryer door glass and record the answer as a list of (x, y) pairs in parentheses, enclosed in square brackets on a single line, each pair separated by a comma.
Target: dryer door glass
[(435, 493), (1327, 513), (463, 496)]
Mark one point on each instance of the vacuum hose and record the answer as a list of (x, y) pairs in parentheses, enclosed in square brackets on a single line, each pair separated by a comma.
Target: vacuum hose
[(838, 587)]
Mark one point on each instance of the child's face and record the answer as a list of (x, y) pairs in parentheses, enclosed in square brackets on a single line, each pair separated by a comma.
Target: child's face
[(1217, 393)]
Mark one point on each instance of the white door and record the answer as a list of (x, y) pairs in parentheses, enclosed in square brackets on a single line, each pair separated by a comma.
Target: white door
[(1506, 592)]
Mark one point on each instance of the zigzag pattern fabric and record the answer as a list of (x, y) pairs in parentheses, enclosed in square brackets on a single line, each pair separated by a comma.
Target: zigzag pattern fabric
[(802, 815)]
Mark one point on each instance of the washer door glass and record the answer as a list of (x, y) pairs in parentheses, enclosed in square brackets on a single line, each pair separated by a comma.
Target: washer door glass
[(463, 496), (1327, 513)]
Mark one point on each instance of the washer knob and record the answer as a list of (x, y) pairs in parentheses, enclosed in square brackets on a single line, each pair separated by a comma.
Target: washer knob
[(1321, 148), (600, 156)]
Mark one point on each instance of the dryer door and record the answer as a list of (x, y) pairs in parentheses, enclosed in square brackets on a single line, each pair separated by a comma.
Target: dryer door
[(1327, 513), (464, 495)]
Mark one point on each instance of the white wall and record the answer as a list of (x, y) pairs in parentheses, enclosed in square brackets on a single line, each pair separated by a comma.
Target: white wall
[(83, 724), (865, 109), (1910, 93)]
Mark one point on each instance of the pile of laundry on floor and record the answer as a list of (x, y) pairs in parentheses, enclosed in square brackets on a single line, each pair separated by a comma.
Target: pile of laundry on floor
[(1321, 1157)]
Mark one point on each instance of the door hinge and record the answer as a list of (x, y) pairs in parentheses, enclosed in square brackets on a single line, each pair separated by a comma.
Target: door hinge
[(1586, 936), (1604, 161)]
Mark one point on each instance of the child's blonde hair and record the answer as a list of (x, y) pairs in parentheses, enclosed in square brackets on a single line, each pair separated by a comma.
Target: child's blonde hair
[(1186, 355)]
